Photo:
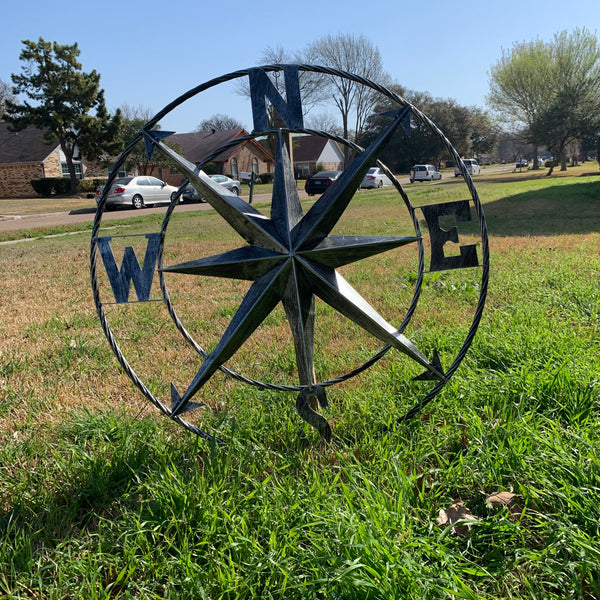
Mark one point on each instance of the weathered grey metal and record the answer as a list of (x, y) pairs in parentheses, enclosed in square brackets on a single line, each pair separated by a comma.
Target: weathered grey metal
[(468, 254), (297, 275), (290, 110), (291, 257), (141, 277)]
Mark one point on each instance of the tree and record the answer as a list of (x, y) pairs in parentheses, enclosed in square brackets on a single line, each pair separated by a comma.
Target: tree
[(356, 55), (573, 107), (512, 144), (470, 131), (324, 122), (219, 122), (312, 90), (60, 98), (5, 94), (519, 85), (133, 120), (484, 132)]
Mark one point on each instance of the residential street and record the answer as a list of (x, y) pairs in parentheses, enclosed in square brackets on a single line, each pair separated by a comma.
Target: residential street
[(12, 223)]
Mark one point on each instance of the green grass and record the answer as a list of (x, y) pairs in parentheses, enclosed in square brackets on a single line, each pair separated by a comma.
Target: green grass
[(101, 497)]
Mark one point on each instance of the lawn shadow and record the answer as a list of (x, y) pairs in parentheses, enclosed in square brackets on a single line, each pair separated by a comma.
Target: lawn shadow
[(108, 463), (556, 210)]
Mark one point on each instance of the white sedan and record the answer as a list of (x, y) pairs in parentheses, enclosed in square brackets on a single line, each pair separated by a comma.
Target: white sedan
[(375, 178), (138, 192)]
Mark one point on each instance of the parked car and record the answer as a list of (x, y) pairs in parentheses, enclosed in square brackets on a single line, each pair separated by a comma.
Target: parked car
[(472, 167), (522, 162), (233, 185), (424, 173), (320, 181), (137, 191), (375, 178)]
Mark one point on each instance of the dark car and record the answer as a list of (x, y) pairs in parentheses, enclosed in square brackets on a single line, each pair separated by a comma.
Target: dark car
[(319, 182)]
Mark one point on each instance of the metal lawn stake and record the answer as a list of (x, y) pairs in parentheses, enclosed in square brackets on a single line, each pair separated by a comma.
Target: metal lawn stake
[(290, 256)]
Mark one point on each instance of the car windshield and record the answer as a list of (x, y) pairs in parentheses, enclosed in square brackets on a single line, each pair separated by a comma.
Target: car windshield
[(372, 171), (326, 174), (123, 180)]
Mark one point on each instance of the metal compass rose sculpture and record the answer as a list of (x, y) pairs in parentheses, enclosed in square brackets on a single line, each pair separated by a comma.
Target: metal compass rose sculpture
[(289, 256)]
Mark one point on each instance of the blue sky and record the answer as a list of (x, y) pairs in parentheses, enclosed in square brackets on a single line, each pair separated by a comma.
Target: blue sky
[(150, 52)]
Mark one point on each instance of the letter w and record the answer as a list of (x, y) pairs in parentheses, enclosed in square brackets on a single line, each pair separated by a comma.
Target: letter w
[(120, 280)]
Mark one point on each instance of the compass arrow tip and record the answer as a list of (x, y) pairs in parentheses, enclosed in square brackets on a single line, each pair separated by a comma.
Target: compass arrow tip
[(399, 112), (179, 406), (428, 375), (157, 135)]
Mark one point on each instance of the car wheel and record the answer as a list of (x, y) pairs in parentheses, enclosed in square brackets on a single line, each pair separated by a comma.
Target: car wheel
[(235, 191), (173, 197), (137, 201), (380, 184)]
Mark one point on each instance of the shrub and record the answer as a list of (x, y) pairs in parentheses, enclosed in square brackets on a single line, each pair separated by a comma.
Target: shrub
[(90, 185), (265, 178), (49, 186), (549, 163)]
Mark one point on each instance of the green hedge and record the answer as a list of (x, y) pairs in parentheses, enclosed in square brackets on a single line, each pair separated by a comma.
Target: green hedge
[(49, 186), (90, 185), (52, 186)]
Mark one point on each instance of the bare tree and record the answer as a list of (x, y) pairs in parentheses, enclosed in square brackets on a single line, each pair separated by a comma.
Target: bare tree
[(356, 55), (134, 118), (312, 90), (5, 94), (324, 122), (136, 113), (219, 122)]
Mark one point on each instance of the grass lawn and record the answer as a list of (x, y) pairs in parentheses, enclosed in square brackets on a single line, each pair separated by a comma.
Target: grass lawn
[(103, 497)]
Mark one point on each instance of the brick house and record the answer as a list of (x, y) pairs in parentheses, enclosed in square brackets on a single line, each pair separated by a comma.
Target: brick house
[(312, 151), (249, 156), (25, 156)]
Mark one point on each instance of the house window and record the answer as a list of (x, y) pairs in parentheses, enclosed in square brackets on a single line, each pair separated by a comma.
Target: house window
[(255, 166), (78, 170), (122, 172), (234, 168)]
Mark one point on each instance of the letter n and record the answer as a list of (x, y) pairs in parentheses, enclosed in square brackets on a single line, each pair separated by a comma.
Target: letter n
[(439, 236), (289, 110), (120, 280)]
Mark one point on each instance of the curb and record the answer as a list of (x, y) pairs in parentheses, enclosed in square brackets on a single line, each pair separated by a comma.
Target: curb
[(23, 217)]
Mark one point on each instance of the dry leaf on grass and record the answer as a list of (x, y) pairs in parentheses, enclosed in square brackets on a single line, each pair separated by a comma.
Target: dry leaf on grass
[(457, 511), (500, 499), (505, 499)]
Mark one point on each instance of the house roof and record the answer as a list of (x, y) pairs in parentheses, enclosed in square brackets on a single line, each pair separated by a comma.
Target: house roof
[(308, 148), (25, 146), (198, 145)]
